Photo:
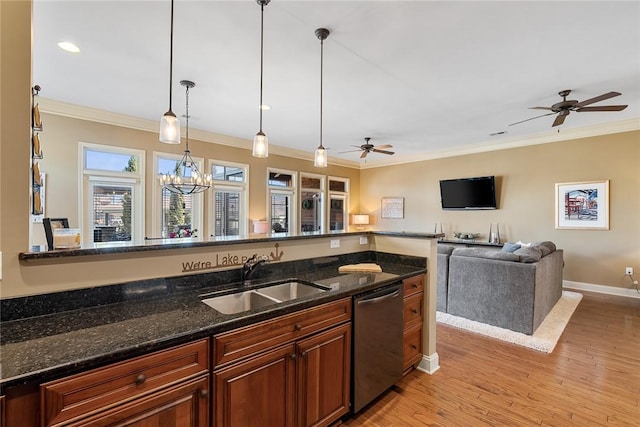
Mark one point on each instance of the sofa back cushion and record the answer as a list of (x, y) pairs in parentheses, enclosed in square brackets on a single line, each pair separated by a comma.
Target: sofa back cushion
[(445, 249), (546, 247), (486, 253)]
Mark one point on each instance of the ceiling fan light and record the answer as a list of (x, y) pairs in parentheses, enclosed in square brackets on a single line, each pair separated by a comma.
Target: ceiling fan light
[(320, 157), (260, 145), (169, 128)]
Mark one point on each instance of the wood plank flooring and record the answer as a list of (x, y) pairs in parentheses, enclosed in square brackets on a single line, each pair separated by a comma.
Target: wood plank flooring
[(592, 378)]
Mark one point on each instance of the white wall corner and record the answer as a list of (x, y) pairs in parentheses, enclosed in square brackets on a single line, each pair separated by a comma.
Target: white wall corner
[(601, 289), (429, 364)]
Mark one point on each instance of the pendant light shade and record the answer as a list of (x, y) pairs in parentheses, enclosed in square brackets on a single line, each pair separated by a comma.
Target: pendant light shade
[(260, 141), (320, 156), (169, 124)]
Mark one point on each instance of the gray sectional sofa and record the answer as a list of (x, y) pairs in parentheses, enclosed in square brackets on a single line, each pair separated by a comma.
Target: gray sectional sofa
[(513, 290)]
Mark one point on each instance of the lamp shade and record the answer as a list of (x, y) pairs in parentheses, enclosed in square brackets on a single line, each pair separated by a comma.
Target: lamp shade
[(260, 226), (320, 158), (260, 145), (360, 219), (170, 129)]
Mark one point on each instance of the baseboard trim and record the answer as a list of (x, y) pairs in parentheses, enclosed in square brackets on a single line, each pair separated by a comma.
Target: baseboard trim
[(429, 364), (601, 289)]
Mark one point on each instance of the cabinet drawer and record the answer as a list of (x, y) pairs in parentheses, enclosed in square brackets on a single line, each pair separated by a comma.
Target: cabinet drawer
[(412, 352), (412, 285), (106, 387), (253, 339), (413, 309)]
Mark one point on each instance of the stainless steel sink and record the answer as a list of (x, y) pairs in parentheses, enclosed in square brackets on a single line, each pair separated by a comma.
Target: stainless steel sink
[(263, 297), (239, 302), (291, 290)]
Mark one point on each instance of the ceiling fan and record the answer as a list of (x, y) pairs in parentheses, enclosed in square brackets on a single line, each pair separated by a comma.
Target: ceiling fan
[(564, 107), (367, 148)]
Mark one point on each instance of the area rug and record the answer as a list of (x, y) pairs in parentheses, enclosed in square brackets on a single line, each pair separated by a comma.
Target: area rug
[(543, 339)]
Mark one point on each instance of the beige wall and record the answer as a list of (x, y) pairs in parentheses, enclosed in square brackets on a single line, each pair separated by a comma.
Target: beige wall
[(526, 180)]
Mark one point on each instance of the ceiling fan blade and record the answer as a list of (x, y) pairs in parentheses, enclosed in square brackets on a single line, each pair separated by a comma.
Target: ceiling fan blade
[(603, 108), (540, 108), (364, 154), (350, 151), (560, 119), (375, 150), (597, 99), (536, 117), (384, 146)]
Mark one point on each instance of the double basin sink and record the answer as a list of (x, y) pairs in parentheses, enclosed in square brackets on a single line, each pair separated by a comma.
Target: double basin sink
[(270, 294)]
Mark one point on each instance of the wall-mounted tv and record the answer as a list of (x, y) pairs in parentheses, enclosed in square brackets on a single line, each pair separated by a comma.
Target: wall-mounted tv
[(468, 193)]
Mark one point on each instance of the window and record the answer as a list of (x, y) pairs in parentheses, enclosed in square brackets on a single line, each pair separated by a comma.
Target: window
[(338, 203), (312, 202), (229, 202), (111, 207), (281, 193), (174, 215)]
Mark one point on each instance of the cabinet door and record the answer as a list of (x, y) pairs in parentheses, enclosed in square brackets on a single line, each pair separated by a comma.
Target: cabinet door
[(258, 392), (184, 405), (324, 372)]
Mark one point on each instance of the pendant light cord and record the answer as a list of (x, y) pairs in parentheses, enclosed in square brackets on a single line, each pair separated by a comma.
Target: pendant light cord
[(171, 61), (187, 122), (321, 80), (261, 57)]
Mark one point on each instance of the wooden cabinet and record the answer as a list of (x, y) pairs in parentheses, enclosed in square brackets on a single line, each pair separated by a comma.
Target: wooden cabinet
[(290, 371), (413, 288), (169, 386)]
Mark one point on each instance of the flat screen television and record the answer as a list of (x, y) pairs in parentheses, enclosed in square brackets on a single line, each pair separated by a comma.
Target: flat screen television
[(468, 193)]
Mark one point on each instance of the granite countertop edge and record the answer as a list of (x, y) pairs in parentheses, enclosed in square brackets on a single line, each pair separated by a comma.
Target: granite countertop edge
[(204, 328)]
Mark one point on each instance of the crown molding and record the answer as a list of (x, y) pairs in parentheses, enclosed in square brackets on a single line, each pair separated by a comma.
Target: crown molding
[(116, 119), (609, 128)]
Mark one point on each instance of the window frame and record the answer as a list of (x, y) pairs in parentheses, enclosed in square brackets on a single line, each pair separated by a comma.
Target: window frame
[(290, 191), (323, 198), (223, 185)]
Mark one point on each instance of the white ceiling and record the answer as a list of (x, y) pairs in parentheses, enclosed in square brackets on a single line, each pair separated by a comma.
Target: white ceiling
[(424, 76)]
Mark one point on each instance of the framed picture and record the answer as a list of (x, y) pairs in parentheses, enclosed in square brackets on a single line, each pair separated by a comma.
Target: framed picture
[(582, 205), (51, 223), (392, 207)]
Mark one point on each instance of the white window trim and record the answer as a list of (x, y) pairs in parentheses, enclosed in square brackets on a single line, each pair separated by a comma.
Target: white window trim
[(156, 196), (224, 185), (88, 177), (290, 191), (322, 191), (338, 195)]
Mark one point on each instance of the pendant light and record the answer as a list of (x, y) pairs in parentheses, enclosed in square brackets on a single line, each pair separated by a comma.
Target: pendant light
[(260, 141), (189, 180), (169, 124), (320, 156)]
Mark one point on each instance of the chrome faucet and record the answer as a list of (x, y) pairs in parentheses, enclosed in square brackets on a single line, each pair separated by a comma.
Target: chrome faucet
[(251, 265)]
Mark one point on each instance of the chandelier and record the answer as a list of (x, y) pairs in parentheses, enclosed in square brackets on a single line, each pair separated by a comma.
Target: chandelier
[(186, 178)]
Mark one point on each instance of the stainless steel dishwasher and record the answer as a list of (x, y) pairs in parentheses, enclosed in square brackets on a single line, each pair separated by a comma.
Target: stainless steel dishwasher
[(377, 343)]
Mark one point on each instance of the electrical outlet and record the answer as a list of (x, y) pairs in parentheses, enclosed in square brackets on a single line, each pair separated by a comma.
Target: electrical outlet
[(364, 240), (628, 271), (335, 243)]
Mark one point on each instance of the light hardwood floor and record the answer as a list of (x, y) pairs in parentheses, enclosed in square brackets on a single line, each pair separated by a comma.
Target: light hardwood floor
[(592, 378)]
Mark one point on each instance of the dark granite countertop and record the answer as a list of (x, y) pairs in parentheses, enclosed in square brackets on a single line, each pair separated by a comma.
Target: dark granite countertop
[(49, 346)]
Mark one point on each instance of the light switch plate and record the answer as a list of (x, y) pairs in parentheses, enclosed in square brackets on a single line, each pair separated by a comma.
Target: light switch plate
[(364, 240), (335, 243)]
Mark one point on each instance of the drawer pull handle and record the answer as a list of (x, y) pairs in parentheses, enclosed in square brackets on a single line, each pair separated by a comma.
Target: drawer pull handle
[(414, 285), (297, 327), (413, 346), (294, 356), (204, 393), (414, 311), (140, 379)]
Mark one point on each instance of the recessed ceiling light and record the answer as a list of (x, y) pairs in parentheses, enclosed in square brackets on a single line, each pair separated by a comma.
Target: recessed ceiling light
[(265, 107), (69, 47)]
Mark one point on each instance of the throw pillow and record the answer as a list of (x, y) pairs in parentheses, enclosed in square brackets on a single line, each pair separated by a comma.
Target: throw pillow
[(529, 254), (510, 247), (523, 244), (546, 247)]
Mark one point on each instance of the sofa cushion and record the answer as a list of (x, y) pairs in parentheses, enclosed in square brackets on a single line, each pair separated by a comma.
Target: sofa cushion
[(530, 254), (546, 247), (486, 253), (523, 244), (445, 249), (510, 247)]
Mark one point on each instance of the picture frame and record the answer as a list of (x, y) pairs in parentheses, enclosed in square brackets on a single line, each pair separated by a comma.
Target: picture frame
[(49, 224), (582, 205), (392, 207)]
